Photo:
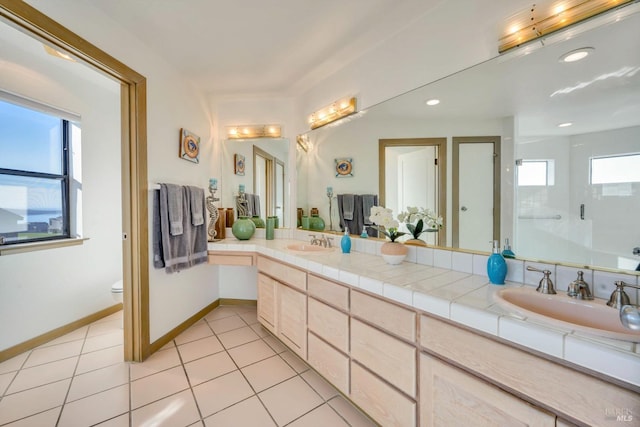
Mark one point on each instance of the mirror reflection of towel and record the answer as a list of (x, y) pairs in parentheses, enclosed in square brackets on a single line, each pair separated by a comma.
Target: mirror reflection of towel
[(348, 205), (368, 201)]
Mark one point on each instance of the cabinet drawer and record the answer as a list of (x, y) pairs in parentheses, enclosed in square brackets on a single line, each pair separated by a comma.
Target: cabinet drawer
[(379, 400), (220, 259), (329, 323), (267, 302), (448, 395), (388, 357), (284, 273), (393, 318), (329, 292), (329, 362)]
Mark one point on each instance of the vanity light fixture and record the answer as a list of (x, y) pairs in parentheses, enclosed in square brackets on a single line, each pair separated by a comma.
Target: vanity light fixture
[(337, 110), (254, 131), (577, 54), (565, 125), (432, 102), (549, 16)]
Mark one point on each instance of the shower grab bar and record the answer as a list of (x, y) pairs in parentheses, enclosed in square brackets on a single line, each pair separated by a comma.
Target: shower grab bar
[(540, 217)]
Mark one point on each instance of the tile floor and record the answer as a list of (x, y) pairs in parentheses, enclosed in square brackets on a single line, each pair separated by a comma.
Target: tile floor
[(226, 370)]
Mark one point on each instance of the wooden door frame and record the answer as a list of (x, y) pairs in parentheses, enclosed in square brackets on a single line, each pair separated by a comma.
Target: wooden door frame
[(134, 163), (455, 182), (441, 144)]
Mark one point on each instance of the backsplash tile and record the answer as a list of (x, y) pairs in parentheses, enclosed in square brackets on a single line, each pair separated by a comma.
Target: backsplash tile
[(515, 270), (442, 258), (480, 264), (461, 261), (425, 256)]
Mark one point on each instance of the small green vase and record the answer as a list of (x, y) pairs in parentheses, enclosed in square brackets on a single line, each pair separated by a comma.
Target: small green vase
[(243, 228), (259, 222), (316, 223)]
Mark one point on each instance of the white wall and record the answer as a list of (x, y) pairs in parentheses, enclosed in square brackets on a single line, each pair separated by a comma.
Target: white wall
[(171, 105), (43, 290)]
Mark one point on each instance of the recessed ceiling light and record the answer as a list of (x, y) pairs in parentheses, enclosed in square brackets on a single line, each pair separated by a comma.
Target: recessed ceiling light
[(576, 55), (565, 125), (432, 102)]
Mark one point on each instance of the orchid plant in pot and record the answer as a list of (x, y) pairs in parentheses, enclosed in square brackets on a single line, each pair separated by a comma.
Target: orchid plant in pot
[(425, 221), (392, 252)]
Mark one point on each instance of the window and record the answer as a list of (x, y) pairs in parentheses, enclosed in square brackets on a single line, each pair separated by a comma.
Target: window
[(615, 169), (535, 172), (34, 172)]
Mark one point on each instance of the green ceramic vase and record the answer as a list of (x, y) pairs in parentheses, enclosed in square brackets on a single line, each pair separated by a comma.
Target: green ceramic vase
[(259, 222), (243, 228), (316, 223)]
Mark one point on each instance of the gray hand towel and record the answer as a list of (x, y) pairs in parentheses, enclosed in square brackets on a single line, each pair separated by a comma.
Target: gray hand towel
[(197, 205), (158, 256), (250, 206), (174, 206), (368, 201), (348, 204)]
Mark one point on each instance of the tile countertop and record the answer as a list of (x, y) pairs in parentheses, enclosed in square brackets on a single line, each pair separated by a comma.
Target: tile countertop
[(454, 285)]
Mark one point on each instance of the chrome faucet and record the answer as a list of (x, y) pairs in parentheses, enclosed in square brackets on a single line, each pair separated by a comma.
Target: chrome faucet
[(546, 285), (579, 289), (323, 240), (314, 240), (619, 297)]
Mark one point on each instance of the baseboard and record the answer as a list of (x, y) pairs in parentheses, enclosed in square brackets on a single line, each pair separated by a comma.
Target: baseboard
[(234, 301), (57, 333), (169, 336)]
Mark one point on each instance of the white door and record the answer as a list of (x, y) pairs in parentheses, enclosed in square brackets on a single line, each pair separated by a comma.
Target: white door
[(475, 195)]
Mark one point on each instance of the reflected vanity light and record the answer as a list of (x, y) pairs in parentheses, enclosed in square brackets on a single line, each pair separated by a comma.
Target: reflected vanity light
[(254, 131), (547, 17), (432, 102), (337, 110), (576, 55), (58, 54), (303, 143)]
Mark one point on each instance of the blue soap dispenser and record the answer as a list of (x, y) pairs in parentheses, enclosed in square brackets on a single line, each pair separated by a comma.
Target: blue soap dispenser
[(507, 252), (345, 243), (496, 266)]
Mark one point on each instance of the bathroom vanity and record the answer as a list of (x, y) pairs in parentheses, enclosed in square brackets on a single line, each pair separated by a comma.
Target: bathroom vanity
[(421, 344)]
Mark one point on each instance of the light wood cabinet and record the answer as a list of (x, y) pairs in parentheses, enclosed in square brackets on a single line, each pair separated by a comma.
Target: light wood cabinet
[(292, 319), (329, 292), (391, 317), (449, 396), (387, 357), (242, 259), (332, 364), (329, 324), (382, 402), (267, 302), (283, 273)]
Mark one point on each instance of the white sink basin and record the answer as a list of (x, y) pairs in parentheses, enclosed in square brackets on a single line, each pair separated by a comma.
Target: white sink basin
[(592, 317), (305, 247)]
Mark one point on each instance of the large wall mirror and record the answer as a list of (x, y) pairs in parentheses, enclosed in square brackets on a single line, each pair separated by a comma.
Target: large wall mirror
[(565, 193), (265, 173)]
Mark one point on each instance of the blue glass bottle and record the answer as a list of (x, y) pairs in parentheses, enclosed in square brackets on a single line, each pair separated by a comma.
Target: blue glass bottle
[(345, 243), (507, 252), (496, 266)]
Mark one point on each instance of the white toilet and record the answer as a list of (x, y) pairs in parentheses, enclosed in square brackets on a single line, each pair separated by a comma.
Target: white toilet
[(116, 291)]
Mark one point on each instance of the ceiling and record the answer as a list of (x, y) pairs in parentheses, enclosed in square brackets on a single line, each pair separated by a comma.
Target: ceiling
[(261, 46)]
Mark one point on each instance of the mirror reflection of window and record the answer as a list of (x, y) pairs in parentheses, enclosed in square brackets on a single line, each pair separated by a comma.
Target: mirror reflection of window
[(535, 173), (615, 169)]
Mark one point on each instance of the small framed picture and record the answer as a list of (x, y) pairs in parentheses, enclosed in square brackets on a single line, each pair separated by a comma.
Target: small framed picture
[(189, 146), (239, 163), (344, 167)]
